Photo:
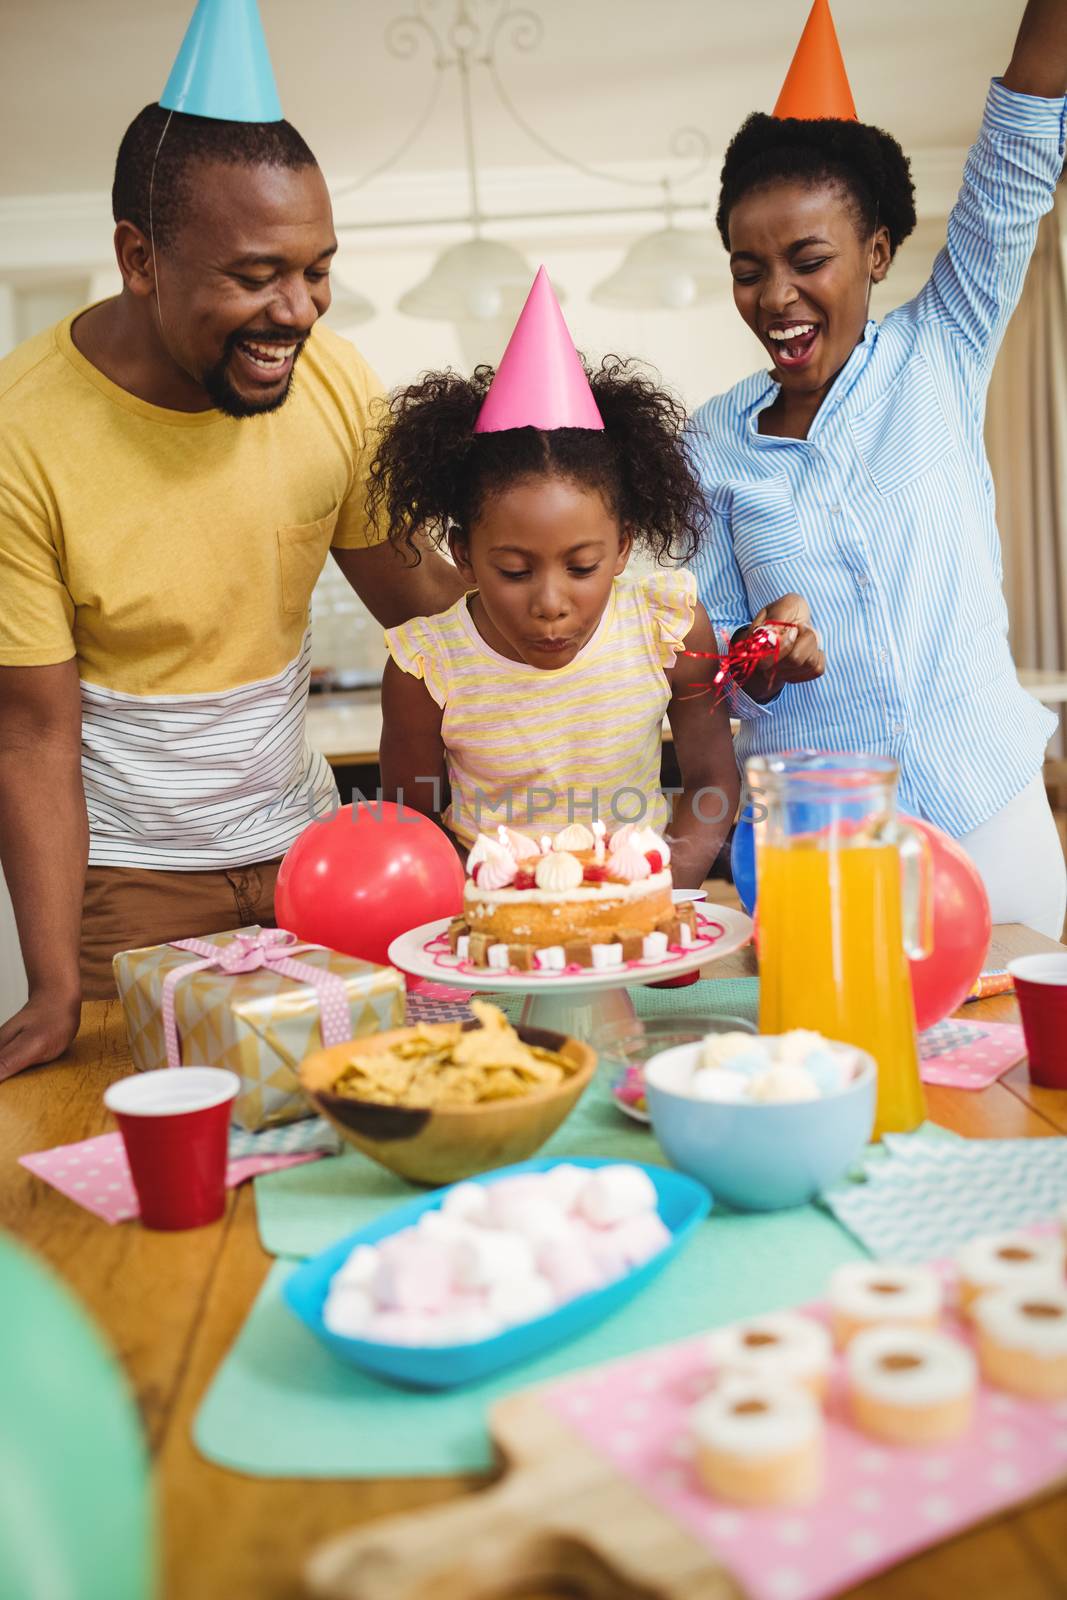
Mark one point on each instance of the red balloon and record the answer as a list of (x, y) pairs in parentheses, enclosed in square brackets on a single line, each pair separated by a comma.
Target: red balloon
[(355, 881), (961, 930)]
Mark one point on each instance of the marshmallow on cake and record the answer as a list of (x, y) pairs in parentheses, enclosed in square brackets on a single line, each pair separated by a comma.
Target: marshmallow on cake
[(1008, 1261), (910, 1385), (583, 898), (1022, 1340)]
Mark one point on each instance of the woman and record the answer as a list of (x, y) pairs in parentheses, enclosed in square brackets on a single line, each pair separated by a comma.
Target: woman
[(855, 473)]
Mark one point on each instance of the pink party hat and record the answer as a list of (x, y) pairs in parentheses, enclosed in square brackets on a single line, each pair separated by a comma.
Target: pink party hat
[(540, 382)]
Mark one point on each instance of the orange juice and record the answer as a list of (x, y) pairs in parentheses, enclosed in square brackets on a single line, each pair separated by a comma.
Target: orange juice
[(831, 956)]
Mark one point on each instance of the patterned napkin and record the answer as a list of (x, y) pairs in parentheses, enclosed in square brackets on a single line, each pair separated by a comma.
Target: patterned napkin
[(928, 1197), (95, 1173), (969, 1055)]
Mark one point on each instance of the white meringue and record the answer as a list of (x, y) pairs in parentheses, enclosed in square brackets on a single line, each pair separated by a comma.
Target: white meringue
[(575, 837), (559, 871), (521, 845)]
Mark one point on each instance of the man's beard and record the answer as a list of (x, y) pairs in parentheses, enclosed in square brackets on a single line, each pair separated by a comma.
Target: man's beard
[(225, 398)]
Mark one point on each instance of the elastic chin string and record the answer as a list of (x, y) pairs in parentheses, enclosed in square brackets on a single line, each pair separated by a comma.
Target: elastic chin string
[(870, 267), (151, 227)]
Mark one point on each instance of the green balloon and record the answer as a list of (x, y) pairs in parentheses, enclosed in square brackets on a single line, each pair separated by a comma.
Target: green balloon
[(75, 1505)]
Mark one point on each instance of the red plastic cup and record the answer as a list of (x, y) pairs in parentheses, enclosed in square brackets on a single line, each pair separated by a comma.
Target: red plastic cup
[(1041, 990), (175, 1124)]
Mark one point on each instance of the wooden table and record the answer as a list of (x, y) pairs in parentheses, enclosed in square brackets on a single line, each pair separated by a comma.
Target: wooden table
[(172, 1304)]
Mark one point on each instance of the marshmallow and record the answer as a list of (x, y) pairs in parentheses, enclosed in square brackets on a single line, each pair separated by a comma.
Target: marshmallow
[(606, 955), (641, 1237), (497, 957), (612, 1194), (396, 1327), (740, 1052), (564, 1183), (567, 1265), (467, 1202), (553, 958), (358, 1270), (414, 1274), (717, 1083), (487, 1258), (525, 1206), (348, 1311), (654, 947), (520, 1299), (783, 1084), (463, 947)]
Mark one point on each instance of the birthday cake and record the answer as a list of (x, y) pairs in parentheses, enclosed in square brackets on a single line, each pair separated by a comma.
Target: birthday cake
[(584, 898)]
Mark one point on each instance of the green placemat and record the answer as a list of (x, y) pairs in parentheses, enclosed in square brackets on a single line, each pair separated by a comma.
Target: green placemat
[(303, 1209), (282, 1406)]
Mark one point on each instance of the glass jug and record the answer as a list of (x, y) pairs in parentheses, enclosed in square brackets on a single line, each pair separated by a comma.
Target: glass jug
[(844, 897)]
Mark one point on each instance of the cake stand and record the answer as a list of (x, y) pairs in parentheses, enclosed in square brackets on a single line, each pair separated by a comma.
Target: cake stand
[(578, 1000)]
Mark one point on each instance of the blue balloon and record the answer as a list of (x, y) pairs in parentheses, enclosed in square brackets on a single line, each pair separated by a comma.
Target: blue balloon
[(743, 861)]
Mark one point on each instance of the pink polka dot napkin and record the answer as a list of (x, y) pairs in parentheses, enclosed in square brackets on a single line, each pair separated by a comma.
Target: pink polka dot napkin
[(969, 1055), (95, 1173)]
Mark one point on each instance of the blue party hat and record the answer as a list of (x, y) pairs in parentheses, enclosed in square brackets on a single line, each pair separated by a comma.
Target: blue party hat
[(223, 67)]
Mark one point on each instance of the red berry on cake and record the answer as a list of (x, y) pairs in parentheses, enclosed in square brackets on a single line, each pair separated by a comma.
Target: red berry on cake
[(594, 872), (654, 859), (524, 879)]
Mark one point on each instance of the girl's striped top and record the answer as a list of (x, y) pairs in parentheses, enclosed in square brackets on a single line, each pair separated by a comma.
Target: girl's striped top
[(538, 749), (884, 518)]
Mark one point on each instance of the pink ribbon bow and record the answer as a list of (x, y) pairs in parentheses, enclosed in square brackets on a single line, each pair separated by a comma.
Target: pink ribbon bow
[(247, 952)]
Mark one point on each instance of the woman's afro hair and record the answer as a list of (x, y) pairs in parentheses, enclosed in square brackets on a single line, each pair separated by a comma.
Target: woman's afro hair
[(864, 161)]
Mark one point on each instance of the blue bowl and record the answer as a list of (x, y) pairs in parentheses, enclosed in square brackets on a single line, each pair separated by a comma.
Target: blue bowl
[(682, 1205), (757, 1156)]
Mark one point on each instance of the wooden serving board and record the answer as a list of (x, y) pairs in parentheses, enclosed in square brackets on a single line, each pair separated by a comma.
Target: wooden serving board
[(598, 1498), (561, 1517)]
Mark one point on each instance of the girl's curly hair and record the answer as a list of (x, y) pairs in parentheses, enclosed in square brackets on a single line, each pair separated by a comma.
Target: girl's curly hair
[(867, 163), (432, 473)]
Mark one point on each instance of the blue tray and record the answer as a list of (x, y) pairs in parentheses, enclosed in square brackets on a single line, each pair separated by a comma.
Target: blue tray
[(682, 1204)]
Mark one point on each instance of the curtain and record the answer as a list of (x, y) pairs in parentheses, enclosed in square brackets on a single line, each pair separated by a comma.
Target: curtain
[(1026, 437)]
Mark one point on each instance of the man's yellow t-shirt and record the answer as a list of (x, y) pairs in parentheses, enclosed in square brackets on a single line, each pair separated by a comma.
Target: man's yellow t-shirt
[(173, 554)]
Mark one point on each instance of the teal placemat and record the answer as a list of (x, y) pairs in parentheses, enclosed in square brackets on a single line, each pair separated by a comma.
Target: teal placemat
[(303, 1209), (282, 1406)]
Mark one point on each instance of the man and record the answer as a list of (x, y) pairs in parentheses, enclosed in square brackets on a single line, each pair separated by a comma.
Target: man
[(175, 464)]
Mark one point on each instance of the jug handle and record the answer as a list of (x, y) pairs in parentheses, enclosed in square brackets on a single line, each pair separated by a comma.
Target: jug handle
[(917, 887)]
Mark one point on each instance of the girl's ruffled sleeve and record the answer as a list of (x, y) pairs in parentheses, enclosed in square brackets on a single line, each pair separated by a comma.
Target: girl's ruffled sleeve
[(417, 648), (670, 596)]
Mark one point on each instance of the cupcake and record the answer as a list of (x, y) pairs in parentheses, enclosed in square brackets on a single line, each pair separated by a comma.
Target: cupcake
[(872, 1294), (1022, 1341), (910, 1385), (784, 1347), (1008, 1261), (759, 1443)]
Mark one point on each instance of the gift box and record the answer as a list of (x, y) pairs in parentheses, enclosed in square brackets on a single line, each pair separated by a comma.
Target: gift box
[(256, 1002)]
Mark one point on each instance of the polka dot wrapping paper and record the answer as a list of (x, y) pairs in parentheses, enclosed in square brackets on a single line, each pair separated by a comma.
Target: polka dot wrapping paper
[(879, 1505), (95, 1173), (969, 1055)]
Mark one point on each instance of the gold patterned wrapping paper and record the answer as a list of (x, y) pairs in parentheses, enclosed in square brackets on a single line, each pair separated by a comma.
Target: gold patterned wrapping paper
[(258, 1024)]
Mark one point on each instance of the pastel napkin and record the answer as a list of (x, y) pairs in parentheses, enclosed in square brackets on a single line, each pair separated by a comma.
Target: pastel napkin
[(969, 1055), (928, 1197), (95, 1173)]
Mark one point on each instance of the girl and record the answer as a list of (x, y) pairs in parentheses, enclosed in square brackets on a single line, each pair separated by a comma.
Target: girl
[(540, 695), (855, 470)]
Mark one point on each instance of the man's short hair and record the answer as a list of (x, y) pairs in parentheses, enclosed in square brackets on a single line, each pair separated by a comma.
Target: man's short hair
[(189, 140)]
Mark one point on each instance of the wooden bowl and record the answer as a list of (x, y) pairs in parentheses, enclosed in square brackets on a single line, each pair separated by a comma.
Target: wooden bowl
[(442, 1144)]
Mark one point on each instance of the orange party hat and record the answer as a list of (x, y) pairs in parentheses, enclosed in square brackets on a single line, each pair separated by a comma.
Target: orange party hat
[(816, 84)]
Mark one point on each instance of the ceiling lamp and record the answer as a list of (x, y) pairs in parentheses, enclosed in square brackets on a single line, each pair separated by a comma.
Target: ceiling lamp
[(670, 270), (480, 279), (348, 306)]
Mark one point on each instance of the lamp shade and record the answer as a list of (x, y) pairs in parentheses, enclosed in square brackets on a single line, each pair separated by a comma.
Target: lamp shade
[(348, 306), (671, 269), (478, 279)]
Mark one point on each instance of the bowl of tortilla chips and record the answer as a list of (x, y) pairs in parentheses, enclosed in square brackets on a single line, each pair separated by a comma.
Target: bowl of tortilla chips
[(440, 1101)]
